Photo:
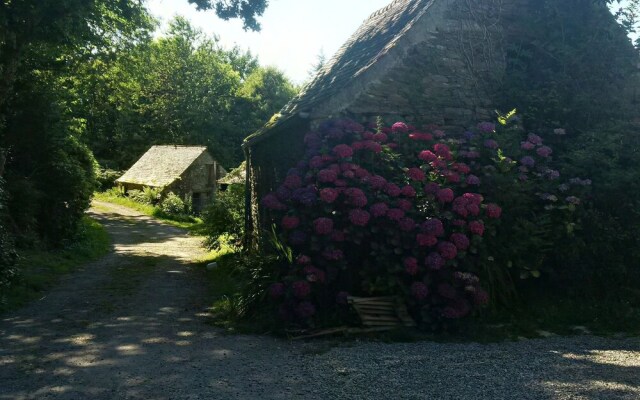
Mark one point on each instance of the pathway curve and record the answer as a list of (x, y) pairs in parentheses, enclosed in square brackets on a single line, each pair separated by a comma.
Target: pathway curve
[(134, 326)]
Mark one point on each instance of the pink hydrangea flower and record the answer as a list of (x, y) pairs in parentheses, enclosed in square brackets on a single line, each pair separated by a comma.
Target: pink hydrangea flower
[(472, 180), (445, 195), (327, 175), (411, 265), (328, 195), (452, 177), (493, 211), (404, 205), (442, 150), (395, 214), (323, 226), (380, 137), (416, 174), (361, 173), (290, 222), (333, 254), (399, 127), (303, 259), (357, 145), (527, 145), (425, 240), (419, 136), (480, 297), (460, 240), (376, 182), (491, 144), (271, 202), (476, 227), (434, 261), (408, 191), (527, 161), (373, 146), (379, 209), (419, 290), (462, 168), (314, 274), (392, 190), (301, 289), (447, 250), (544, 151), (359, 217), (433, 227), (486, 127), (292, 182), (535, 139), (427, 156)]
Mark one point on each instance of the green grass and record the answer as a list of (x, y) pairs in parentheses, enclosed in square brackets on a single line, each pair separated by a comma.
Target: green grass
[(40, 268), (192, 224)]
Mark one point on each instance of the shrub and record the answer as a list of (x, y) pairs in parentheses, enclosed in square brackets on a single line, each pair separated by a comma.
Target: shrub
[(225, 216), (147, 195), (7, 251), (401, 211), (106, 178), (173, 205)]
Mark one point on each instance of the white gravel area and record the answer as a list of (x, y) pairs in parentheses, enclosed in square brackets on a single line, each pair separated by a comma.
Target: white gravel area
[(134, 326)]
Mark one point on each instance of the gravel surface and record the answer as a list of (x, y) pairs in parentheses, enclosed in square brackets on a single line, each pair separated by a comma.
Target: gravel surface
[(134, 326)]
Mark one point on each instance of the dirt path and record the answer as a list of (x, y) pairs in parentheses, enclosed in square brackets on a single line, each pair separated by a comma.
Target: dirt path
[(133, 325)]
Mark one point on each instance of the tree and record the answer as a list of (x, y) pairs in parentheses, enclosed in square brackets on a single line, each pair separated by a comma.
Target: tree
[(245, 10)]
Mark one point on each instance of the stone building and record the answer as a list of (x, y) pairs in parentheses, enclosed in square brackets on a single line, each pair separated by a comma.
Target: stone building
[(188, 171), (444, 62)]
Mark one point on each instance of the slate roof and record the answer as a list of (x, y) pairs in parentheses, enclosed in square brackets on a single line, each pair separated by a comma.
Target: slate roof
[(370, 43), (160, 166)]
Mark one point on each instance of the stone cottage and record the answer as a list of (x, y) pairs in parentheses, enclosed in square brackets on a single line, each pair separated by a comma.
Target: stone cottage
[(188, 171), (445, 62)]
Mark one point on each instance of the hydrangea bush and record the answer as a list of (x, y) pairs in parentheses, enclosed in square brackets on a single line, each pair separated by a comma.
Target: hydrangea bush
[(414, 212)]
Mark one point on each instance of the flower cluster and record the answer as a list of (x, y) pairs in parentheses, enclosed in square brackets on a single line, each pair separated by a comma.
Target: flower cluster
[(404, 210)]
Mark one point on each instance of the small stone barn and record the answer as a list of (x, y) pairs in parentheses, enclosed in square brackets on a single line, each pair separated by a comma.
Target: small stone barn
[(184, 170), (445, 62)]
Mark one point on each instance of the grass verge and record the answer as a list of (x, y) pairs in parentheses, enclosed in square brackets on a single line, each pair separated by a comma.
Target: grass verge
[(192, 224), (40, 269)]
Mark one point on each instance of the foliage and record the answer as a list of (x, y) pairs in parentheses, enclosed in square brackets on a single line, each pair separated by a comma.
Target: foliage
[(147, 195), (45, 151), (225, 216), (106, 178), (173, 205), (40, 267), (7, 251), (245, 10), (415, 213), (181, 88)]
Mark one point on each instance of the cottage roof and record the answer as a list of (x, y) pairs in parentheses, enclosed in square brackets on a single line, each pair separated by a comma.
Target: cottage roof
[(160, 166), (235, 176), (351, 67)]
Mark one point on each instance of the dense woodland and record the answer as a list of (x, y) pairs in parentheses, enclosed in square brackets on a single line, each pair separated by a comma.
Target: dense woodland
[(89, 85)]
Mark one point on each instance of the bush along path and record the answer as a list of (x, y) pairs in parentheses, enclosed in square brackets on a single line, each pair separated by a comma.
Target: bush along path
[(134, 325)]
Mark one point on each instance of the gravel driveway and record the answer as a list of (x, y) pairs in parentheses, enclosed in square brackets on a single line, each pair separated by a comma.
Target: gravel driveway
[(134, 326)]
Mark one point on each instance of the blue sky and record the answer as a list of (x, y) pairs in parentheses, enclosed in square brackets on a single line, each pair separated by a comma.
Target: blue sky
[(293, 31)]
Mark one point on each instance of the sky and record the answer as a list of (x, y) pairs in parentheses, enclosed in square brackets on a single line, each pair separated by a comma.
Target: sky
[(294, 32)]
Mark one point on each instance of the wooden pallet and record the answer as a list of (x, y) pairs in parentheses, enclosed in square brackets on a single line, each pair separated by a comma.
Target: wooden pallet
[(381, 312)]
